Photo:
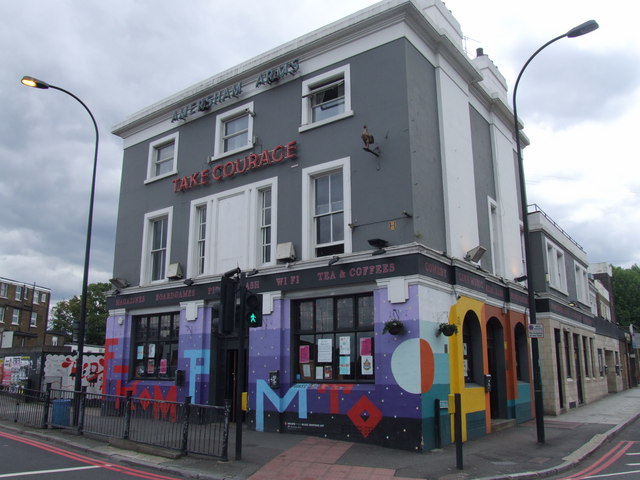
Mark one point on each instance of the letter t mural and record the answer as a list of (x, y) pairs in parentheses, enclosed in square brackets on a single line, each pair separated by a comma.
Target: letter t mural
[(199, 364)]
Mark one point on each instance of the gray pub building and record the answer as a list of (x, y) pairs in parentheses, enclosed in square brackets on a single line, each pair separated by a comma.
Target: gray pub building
[(363, 178)]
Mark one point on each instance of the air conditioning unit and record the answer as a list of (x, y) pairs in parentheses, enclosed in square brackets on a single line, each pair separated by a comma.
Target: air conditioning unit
[(285, 252), (174, 271)]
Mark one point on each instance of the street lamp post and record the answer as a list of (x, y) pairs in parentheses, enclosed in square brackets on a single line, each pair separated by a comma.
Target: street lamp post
[(34, 82), (582, 29)]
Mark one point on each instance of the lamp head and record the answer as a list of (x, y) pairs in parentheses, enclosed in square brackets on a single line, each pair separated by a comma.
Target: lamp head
[(583, 29), (34, 82)]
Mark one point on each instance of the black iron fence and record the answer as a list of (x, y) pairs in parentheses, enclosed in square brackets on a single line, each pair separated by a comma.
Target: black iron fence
[(181, 426)]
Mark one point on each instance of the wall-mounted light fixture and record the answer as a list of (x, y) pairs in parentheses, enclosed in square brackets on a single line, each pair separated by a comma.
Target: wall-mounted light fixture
[(379, 244), (188, 282), (119, 283), (333, 260), (174, 271), (475, 254), (521, 278)]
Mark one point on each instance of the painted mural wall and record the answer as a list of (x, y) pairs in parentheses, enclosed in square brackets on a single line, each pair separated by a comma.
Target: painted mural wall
[(61, 371)]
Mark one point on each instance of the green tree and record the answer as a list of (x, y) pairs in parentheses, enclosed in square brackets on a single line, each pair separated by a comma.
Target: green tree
[(626, 295), (66, 313)]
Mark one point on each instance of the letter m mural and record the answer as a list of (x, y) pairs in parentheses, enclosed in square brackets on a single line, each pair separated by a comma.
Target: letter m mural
[(264, 390)]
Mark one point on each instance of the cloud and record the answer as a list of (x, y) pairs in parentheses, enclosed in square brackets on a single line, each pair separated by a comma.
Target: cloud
[(122, 56)]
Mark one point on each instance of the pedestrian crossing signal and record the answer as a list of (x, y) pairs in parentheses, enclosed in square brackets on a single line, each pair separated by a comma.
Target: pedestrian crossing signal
[(253, 309)]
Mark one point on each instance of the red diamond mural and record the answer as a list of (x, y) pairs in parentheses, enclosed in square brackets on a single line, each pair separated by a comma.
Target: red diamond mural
[(365, 416)]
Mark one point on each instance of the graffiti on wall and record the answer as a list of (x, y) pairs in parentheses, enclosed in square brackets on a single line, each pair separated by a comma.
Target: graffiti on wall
[(61, 371), (364, 414)]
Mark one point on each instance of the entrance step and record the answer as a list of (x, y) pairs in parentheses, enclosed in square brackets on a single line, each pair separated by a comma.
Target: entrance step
[(498, 424)]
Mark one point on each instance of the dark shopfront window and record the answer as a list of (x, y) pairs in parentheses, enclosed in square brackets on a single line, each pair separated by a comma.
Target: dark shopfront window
[(155, 346), (333, 339)]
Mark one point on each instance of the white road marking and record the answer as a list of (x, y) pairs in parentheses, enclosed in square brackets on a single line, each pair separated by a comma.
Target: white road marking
[(40, 472)]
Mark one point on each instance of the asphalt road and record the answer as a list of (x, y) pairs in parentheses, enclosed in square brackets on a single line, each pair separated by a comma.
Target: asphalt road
[(23, 457), (617, 459)]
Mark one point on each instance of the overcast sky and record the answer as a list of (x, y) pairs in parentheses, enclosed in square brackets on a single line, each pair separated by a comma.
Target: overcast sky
[(579, 101)]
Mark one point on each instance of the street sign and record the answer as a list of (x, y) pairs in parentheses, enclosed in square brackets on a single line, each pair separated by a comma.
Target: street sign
[(536, 330)]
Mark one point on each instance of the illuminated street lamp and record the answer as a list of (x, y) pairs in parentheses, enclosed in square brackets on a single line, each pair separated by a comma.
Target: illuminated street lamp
[(34, 82), (582, 29)]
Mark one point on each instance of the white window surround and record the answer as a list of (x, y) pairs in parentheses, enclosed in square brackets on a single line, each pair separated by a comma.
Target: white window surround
[(308, 175), (153, 150), (344, 73), (147, 237), (15, 317), (556, 267), (4, 290), (2, 310), (494, 237), (249, 252), (34, 320), (582, 283), (221, 119)]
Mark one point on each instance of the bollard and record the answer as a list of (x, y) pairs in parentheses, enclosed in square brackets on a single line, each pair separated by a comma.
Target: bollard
[(457, 416), (436, 405)]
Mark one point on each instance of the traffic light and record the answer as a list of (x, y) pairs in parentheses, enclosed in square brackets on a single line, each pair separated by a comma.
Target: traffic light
[(227, 304), (253, 309)]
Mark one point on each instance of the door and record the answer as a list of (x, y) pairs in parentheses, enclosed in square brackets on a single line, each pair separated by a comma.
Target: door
[(578, 364), (497, 369)]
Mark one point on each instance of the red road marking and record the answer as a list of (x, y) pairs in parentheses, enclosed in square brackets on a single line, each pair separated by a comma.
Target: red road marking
[(607, 459), (81, 458)]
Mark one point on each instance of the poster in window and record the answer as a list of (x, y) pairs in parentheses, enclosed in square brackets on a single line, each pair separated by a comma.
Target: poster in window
[(365, 346), (304, 354), (345, 346), (328, 372), (366, 362), (152, 350), (140, 352), (345, 365), (319, 373), (325, 347), (307, 370), (151, 366), (162, 369)]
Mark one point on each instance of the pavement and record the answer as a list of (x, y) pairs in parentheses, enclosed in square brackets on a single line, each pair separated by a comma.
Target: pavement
[(511, 453)]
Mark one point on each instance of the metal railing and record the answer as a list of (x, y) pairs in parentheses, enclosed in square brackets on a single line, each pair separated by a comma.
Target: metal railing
[(181, 426)]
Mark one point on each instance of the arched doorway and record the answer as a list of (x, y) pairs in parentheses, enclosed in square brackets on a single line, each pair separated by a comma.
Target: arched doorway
[(497, 368)]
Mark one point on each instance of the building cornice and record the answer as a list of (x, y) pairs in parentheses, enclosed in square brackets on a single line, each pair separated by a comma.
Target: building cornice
[(359, 25)]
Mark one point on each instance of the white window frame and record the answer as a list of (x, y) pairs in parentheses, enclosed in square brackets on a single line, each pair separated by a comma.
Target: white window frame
[(264, 244), (221, 119), (18, 294), (582, 283), (4, 290), (15, 317), (2, 310), (153, 152), (495, 238), (309, 174), (252, 253), (344, 73), (147, 238), (43, 297), (33, 321), (556, 267)]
